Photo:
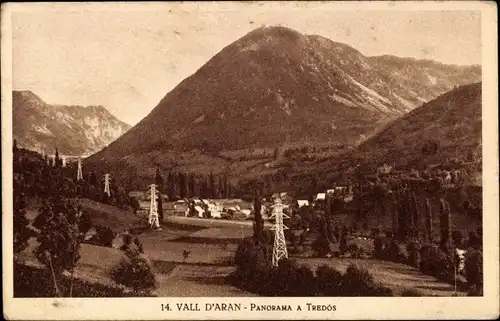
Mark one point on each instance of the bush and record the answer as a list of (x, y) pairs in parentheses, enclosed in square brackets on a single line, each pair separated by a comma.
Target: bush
[(378, 244), (321, 246), (359, 282), (104, 236), (394, 252), (436, 263), (328, 280), (134, 272), (474, 272), (289, 279), (413, 254)]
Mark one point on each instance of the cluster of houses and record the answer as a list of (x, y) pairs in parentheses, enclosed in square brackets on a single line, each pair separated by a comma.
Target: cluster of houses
[(236, 209)]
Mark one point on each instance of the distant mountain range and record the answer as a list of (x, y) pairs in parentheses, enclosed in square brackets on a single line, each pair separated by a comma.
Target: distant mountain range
[(73, 130), (277, 87)]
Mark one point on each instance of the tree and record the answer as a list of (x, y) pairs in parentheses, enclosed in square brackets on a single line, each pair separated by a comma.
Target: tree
[(322, 245), (21, 231), (171, 185), (159, 183), (343, 241), (428, 220), (183, 185), (222, 189), (474, 271), (60, 236), (259, 223), (445, 225), (227, 186), (57, 160), (135, 272), (191, 185), (211, 185), (93, 179)]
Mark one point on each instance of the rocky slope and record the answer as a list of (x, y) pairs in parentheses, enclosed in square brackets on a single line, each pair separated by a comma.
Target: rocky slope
[(74, 130)]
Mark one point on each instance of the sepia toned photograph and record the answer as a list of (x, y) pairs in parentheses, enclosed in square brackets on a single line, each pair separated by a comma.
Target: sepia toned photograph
[(245, 150)]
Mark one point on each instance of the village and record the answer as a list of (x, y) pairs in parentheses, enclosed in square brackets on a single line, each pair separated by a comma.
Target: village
[(234, 209)]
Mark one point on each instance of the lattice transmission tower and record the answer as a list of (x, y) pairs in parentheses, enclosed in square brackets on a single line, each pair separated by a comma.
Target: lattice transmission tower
[(79, 173), (153, 207), (63, 158), (279, 248), (107, 179)]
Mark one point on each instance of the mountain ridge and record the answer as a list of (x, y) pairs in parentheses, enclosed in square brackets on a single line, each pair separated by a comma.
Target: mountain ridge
[(265, 65), (276, 87), (73, 129)]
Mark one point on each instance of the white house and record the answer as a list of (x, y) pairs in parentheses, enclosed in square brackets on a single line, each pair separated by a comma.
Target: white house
[(302, 203), (199, 211), (321, 196)]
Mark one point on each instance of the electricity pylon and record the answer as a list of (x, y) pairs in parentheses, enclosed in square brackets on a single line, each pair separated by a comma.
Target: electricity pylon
[(79, 173), (153, 207), (279, 248), (63, 161), (53, 161), (107, 179)]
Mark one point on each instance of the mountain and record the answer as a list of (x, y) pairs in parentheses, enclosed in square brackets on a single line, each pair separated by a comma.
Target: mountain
[(276, 87), (445, 130), (74, 130)]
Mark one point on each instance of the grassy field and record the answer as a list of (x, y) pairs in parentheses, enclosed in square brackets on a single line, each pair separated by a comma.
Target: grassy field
[(173, 278), (102, 214), (394, 275)]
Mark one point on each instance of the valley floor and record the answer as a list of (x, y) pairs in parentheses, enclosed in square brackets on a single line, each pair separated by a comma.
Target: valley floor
[(209, 249)]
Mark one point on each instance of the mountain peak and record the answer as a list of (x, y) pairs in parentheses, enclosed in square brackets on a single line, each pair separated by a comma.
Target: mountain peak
[(26, 95)]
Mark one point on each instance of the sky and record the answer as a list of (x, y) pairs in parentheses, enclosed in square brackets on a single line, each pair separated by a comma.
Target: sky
[(128, 59)]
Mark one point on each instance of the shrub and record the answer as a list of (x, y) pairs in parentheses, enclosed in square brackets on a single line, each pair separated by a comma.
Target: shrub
[(321, 246), (134, 272), (289, 279), (359, 282), (474, 272), (436, 263), (413, 254), (328, 280), (104, 236), (393, 252), (378, 244)]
